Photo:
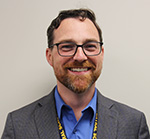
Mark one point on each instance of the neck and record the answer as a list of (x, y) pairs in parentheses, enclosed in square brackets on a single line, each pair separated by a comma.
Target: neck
[(76, 101)]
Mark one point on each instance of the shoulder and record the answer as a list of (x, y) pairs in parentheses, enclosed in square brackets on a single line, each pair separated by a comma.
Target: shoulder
[(130, 121), (115, 105), (24, 121), (123, 111), (29, 109)]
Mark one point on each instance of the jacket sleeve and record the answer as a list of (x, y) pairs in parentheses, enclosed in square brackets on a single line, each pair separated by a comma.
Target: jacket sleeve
[(143, 129), (8, 130)]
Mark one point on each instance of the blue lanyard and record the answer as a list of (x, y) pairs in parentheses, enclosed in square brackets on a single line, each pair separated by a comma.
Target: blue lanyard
[(62, 131)]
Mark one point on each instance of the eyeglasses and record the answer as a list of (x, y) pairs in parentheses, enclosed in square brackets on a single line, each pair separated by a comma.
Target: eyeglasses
[(68, 49)]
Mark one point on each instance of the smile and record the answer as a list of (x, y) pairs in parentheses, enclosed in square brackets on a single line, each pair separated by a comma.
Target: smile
[(78, 69)]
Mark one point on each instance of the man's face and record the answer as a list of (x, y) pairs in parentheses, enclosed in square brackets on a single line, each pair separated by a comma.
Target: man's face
[(79, 72)]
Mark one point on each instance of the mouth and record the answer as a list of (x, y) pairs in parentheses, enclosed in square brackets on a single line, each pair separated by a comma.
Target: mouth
[(79, 69)]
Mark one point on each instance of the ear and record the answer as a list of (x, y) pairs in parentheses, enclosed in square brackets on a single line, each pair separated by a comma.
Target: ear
[(49, 56)]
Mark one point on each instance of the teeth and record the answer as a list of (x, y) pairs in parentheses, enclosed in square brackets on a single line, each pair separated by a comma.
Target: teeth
[(79, 69)]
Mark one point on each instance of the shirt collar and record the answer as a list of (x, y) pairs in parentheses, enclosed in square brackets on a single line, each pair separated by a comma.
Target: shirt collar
[(92, 104), (60, 103)]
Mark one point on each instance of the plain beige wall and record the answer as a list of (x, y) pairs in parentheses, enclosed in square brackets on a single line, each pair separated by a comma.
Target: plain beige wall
[(25, 75)]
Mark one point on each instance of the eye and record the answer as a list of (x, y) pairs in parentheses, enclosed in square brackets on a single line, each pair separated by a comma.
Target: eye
[(66, 47), (90, 47)]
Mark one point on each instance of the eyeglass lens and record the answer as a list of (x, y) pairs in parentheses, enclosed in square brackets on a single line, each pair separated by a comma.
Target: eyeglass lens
[(69, 49)]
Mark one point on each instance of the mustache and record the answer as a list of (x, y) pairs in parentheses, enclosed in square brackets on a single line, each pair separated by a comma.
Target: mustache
[(77, 64)]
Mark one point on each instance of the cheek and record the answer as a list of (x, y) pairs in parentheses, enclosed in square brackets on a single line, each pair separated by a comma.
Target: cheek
[(98, 61), (56, 59), (58, 62), (100, 64), (57, 68)]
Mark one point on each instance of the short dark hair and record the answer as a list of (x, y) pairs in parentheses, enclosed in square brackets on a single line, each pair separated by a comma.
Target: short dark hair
[(82, 14)]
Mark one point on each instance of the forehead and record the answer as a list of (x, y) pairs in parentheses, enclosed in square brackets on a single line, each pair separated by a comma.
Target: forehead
[(76, 30)]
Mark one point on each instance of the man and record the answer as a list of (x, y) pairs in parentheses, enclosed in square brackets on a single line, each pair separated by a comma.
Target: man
[(75, 109)]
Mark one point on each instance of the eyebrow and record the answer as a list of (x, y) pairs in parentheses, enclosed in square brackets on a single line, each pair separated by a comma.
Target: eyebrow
[(73, 41)]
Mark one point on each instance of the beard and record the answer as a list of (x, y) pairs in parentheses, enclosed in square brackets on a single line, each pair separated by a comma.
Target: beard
[(77, 83)]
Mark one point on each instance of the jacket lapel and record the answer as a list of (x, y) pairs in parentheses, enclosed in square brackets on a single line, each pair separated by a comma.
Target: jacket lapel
[(107, 119), (46, 118)]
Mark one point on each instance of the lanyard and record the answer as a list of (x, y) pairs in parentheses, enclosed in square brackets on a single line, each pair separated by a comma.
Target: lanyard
[(62, 132)]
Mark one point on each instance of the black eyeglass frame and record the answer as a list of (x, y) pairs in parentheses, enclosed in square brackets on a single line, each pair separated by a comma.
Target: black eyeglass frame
[(57, 44)]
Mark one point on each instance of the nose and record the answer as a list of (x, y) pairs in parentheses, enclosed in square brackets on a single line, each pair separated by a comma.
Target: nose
[(79, 55)]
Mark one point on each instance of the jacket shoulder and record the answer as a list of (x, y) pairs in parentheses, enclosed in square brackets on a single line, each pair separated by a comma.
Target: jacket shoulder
[(130, 121), (120, 108), (22, 123), (27, 111)]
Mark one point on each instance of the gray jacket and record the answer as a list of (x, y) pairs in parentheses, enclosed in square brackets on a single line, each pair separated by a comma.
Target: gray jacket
[(38, 121)]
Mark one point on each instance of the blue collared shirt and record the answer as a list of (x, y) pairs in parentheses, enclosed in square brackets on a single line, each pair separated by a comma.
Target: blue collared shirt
[(81, 129)]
